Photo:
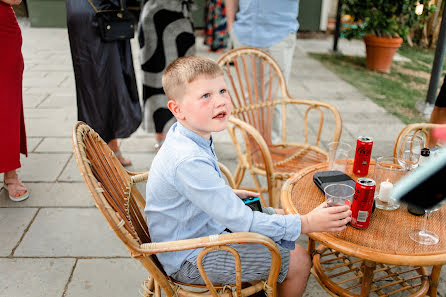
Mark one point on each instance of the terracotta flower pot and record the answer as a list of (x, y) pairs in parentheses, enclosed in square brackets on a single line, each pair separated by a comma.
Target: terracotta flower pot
[(380, 51)]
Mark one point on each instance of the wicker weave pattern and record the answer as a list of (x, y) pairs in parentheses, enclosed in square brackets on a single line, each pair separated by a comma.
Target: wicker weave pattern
[(386, 240), (257, 89), (112, 188)]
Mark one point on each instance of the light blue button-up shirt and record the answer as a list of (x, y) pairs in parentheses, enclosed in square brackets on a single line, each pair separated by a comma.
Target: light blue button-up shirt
[(187, 197), (262, 23)]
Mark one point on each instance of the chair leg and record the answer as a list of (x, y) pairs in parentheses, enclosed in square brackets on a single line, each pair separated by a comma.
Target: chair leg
[(259, 189), (157, 290), (239, 175), (275, 199), (148, 287)]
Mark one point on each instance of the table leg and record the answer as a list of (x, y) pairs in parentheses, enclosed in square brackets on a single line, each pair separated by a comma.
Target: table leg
[(367, 268), (311, 246), (433, 280)]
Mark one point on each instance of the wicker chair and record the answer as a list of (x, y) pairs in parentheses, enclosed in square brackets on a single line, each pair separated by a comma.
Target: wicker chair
[(114, 192), (258, 88), (421, 129)]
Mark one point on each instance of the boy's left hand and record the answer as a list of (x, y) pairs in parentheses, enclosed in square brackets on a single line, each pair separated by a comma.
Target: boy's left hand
[(245, 194)]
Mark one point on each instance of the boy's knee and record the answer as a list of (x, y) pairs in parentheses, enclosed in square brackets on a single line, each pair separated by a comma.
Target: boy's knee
[(300, 260)]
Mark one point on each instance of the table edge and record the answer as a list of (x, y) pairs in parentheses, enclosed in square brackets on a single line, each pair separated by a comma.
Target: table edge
[(352, 249)]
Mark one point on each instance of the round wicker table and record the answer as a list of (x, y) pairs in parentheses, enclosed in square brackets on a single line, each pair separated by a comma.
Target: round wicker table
[(360, 262)]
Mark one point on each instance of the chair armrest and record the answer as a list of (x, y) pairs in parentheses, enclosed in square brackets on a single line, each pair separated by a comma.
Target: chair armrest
[(315, 104), (220, 240), (227, 174), (138, 177), (207, 241), (248, 129)]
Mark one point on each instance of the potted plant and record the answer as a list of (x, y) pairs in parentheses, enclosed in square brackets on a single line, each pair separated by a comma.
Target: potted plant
[(383, 25)]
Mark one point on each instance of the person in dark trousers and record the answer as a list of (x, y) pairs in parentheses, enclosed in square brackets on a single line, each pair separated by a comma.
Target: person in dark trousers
[(106, 91)]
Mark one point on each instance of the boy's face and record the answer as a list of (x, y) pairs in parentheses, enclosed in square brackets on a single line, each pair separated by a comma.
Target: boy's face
[(204, 107)]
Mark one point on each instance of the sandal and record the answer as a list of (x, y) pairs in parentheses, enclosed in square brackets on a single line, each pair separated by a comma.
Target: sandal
[(124, 162), (14, 187)]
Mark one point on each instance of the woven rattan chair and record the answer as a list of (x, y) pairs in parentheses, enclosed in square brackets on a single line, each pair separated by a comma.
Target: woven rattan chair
[(115, 194), (258, 88), (421, 129)]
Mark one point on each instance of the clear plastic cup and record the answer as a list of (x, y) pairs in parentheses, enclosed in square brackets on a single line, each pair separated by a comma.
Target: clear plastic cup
[(339, 194), (338, 155)]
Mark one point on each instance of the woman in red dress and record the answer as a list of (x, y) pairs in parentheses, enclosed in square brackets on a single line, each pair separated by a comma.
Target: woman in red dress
[(12, 125)]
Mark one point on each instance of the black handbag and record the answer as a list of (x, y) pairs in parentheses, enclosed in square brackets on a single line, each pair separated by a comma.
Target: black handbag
[(115, 24)]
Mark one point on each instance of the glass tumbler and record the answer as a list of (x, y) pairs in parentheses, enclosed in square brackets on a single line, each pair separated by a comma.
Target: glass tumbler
[(387, 172)]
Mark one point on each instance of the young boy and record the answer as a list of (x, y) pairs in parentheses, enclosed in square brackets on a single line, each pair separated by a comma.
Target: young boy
[(187, 196)]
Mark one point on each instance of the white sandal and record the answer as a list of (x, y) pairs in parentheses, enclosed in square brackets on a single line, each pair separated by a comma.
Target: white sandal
[(20, 187)]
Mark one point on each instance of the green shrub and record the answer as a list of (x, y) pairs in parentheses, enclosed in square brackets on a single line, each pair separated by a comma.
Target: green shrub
[(384, 18)]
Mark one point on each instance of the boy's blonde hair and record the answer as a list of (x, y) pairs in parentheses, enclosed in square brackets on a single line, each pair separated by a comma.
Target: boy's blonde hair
[(185, 70)]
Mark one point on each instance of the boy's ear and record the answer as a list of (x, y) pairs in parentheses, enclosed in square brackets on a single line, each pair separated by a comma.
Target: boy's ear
[(175, 108)]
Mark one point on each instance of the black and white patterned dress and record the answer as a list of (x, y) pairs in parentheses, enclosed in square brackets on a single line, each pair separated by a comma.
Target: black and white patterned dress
[(165, 33)]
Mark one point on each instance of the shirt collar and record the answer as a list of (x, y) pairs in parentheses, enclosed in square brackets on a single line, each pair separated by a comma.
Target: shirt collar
[(200, 140)]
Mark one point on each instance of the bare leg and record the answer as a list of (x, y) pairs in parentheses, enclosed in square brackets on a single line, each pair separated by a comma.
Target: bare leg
[(113, 144), (298, 271)]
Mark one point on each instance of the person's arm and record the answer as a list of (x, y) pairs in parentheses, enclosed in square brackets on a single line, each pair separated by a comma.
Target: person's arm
[(231, 10), (198, 180), (11, 2)]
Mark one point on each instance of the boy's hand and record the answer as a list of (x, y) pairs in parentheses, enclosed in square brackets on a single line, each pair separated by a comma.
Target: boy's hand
[(326, 219), (245, 194)]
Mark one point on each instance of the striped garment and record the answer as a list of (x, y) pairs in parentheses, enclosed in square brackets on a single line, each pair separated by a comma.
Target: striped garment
[(220, 265)]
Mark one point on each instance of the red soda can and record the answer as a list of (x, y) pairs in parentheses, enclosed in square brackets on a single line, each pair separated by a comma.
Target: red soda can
[(363, 202), (362, 155)]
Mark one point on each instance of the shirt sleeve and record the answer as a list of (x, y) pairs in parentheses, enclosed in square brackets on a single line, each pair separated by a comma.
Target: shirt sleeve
[(198, 180)]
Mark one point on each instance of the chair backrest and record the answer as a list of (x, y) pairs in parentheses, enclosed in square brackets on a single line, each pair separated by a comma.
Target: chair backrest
[(420, 129), (113, 189), (258, 91), (256, 85)]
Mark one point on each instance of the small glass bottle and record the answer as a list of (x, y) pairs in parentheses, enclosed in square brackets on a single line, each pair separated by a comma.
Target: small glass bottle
[(425, 153)]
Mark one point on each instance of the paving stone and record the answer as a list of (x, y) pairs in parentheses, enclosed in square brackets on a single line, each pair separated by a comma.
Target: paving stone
[(34, 277), (32, 143), (379, 132), (143, 144), (71, 173), (50, 90), (42, 167), (358, 105), (141, 161), (70, 232), (31, 100), (27, 73), (314, 289), (55, 101), (52, 195), (107, 277), (42, 82), (55, 145), (44, 127), (61, 113), (14, 222)]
